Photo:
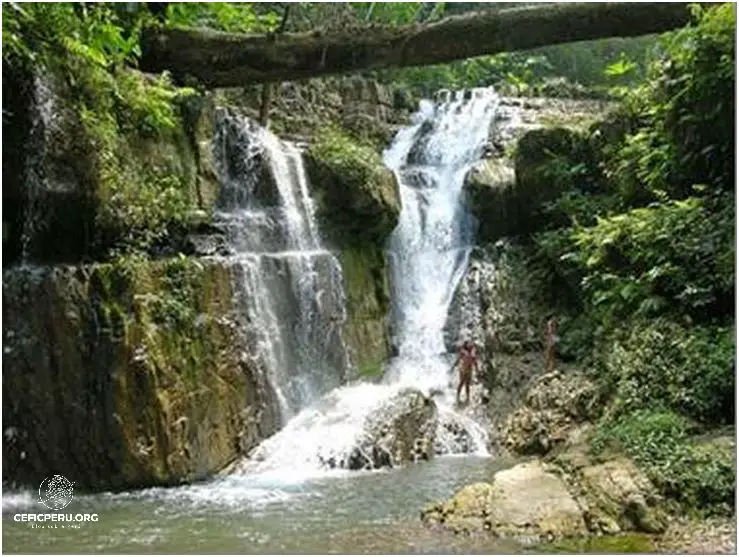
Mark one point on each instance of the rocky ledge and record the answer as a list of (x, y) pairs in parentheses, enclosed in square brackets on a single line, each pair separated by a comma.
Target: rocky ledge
[(544, 501)]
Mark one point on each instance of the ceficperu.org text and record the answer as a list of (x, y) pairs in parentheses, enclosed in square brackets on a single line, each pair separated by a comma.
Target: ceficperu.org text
[(55, 517)]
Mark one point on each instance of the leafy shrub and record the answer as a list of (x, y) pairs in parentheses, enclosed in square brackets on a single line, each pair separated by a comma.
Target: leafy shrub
[(674, 257), (665, 365), (698, 477), (685, 111), (225, 16)]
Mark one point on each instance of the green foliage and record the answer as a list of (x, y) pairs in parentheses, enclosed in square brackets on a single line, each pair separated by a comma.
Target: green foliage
[(696, 92), (624, 543), (620, 68), (697, 477), (643, 227), (394, 13), (236, 17), (42, 33), (175, 308), (88, 47), (665, 365), (685, 110), (675, 257)]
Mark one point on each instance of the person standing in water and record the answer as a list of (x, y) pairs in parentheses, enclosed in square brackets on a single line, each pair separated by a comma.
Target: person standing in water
[(466, 359), (550, 342)]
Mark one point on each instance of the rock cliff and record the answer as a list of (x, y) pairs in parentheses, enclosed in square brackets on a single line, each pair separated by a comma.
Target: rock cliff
[(127, 375)]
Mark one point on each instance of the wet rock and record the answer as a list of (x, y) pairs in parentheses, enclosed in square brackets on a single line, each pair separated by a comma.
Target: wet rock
[(203, 245), (347, 174), (128, 384), (241, 163), (402, 430), (453, 438), (528, 499)]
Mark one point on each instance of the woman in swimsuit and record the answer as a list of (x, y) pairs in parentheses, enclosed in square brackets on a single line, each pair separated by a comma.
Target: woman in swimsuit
[(468, 359)]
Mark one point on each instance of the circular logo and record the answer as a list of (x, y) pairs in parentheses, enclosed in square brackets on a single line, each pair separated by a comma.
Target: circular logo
[(56, 492)]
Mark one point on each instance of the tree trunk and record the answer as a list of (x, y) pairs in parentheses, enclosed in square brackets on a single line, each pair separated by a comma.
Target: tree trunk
[(267, 90), (228, 60)]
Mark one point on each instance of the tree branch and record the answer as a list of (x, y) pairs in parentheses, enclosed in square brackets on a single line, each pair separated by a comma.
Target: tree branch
[(227, 60)]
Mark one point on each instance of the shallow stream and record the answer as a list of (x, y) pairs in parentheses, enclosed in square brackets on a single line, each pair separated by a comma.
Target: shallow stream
[(358, 512)]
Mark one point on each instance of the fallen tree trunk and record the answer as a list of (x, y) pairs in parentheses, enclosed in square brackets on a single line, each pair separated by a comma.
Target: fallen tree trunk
[(224, 60)]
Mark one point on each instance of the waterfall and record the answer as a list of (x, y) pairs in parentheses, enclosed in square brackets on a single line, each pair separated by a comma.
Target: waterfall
[(428, 252), (42, 112), (430, 247), (290, 289)]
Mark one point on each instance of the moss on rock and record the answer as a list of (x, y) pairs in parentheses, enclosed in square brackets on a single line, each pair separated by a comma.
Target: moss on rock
[(368, 302), (97, 174), (624, 543), (359, 200), (126, 375)]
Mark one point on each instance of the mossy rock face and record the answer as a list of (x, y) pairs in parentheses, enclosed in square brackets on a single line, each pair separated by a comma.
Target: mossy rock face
[(358, 198), (82, 183), (50, 178), (367, 303), (300, 110), (624, 543), (127, 375)]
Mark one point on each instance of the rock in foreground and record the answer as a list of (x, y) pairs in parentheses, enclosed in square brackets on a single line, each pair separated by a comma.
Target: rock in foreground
[(527, 499), (616, 496), (571, 496)]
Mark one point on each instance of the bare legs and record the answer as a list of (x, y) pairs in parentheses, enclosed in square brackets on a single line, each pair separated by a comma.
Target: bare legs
[(464, 381), (551, 359)]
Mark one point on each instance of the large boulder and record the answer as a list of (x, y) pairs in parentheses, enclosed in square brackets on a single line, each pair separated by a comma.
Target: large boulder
[(555, 404), (536, 151), (616, 496), (358, 198), (401, 430), (526, 500), (128, 375), (621, 492)]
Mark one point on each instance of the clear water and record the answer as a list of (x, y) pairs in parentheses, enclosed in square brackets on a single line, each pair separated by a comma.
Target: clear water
[(373, 512)]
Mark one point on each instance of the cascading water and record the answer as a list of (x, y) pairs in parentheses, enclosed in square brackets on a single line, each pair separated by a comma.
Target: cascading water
[(290, 288), (42, 111), (430, 247), (429, 252)]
